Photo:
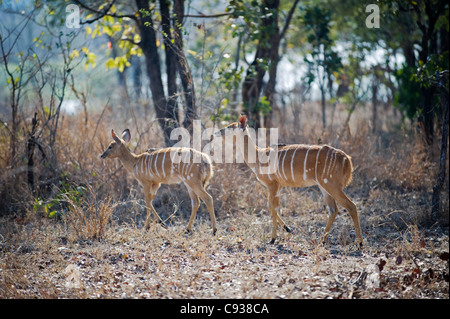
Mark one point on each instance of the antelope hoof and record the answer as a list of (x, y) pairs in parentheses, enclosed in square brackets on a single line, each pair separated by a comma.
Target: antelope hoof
[(214, 231), (360, 245), (323, 238), (272, 241), (287, 229), (188, 231), (163, 225)]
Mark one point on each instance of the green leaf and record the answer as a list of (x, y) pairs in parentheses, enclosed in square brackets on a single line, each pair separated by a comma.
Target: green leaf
[(52, 214), (74, 54), (111, 63), (191, 52)]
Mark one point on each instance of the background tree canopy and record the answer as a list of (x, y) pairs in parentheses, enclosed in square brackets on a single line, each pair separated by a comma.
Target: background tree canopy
[(368, 77)]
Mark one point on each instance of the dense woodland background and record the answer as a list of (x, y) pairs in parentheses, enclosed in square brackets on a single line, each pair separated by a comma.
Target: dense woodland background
[(316, 70)]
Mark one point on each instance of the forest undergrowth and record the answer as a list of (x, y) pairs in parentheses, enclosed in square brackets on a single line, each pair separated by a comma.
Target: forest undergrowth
[(79, 233)]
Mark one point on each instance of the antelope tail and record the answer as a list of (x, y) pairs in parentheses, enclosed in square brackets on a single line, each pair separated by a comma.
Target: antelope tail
[(206, 169), (348, 170)]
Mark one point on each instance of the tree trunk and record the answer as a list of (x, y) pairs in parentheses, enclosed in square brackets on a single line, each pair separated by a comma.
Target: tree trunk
[(150, 50), (269, 91), (171, 68), (267, 49), (137, 79), (323, 104), (374, 104), (251, 87), (184, 71), (428, 47), (436, 199), (30, 153), (426, 118), (234, 102)]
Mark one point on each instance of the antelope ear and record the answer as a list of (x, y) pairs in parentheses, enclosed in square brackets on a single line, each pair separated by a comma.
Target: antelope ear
[(126, 135), (243, 122), (114, 136)]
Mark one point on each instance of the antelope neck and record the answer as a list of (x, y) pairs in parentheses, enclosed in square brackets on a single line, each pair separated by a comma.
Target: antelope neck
[(127, 158), (249, 145)]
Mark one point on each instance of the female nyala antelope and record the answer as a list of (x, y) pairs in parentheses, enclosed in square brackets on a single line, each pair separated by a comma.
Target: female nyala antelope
[(166, 166), (300, 165)]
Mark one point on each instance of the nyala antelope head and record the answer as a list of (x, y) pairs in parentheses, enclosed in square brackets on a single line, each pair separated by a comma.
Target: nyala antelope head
[(117, 146)]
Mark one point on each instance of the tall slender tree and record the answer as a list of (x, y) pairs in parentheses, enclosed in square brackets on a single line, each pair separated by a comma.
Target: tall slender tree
[(140, 17), (262, 21)]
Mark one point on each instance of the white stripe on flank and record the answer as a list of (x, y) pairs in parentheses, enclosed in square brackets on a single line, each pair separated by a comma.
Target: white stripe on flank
[(325, 164), (185, 161), (182, 162), (304, 164), (278, 171), (149, 165), (332, 158), (156, 164), (317, 159), (292, 165), (332, 163), (191, 166), (171, 163), (152, 158), (163, 164), (282, 165), (144, 163), (270, 165)]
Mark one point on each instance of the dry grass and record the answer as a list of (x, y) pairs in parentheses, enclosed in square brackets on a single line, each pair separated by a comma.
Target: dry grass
[(88, 218), (97, 248), (237, 263)]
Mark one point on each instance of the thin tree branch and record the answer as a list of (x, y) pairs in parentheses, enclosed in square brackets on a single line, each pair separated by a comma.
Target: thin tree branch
[(103, 13), (217, 15), (288, 19)]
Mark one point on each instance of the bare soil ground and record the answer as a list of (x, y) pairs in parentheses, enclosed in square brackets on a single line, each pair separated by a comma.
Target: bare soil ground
[(43, 258)]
